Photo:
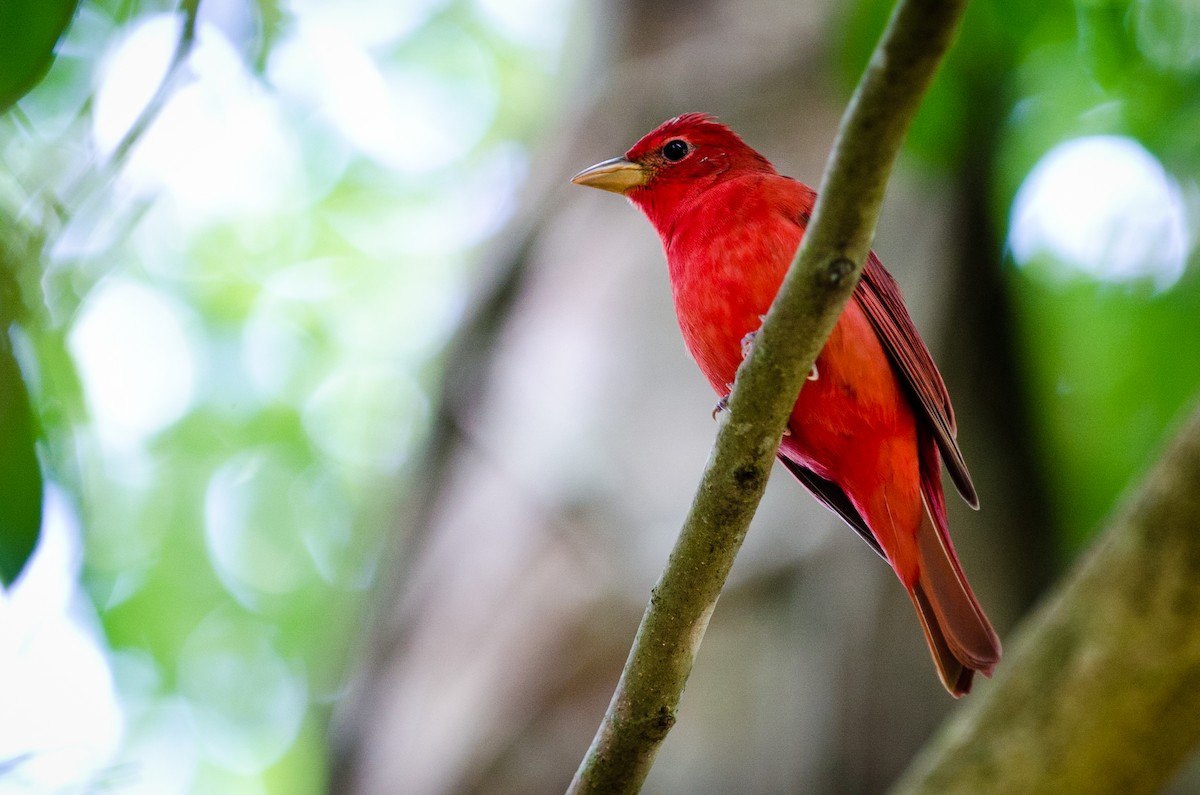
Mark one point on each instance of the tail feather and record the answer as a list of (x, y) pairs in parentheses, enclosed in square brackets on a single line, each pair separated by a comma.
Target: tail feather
[(961, 638), (955, 676)]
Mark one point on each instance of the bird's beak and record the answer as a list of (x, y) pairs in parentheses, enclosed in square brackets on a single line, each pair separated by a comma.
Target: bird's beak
[(617, 175)]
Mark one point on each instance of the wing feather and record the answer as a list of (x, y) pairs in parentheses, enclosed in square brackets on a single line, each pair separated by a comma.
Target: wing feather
[(834, 499), (880, 298)]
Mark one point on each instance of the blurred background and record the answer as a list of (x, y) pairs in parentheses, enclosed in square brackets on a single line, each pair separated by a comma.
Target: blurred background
[(352, 438)]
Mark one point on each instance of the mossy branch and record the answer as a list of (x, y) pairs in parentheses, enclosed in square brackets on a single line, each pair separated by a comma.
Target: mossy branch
[(820, 282), (1101, 688)]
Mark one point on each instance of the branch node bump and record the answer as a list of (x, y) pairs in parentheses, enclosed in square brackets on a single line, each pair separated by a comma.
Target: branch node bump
[(747, 477), (838, 271)]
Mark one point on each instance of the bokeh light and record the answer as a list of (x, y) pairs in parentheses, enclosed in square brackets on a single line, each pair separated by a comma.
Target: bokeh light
[(247, 304), (62, 722), (1104, 207), (137, 359)]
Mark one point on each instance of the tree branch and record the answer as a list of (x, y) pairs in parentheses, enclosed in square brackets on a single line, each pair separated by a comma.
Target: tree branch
[(1101, 690), (91, 182), (818, 285), (183, 48)]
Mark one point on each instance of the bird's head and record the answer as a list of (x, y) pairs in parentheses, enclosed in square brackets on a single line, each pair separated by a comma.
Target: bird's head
[(675, 162)]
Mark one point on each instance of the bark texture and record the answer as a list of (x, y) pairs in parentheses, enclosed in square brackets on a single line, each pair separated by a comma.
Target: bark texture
[(1101, 689)]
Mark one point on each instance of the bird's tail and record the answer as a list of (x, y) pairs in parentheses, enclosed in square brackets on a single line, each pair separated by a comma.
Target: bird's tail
[(960, 637)]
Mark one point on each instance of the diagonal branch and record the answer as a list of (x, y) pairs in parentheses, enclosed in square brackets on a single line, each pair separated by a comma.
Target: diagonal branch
[(183, 48), (1100, 691), (819, 284), (93, 181)]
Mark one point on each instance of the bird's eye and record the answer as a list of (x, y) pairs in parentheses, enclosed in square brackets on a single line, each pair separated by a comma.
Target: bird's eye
[(676, 150)]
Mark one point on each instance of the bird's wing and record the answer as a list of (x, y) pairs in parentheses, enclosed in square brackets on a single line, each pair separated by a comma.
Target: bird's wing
[(880, 298), (834, 499)]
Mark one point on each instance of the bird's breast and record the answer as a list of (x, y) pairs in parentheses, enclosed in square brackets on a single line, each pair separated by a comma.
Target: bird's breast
[(725, 270), (724, 278)]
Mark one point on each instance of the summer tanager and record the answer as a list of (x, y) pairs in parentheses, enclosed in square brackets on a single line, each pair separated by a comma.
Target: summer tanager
[(873, 423)]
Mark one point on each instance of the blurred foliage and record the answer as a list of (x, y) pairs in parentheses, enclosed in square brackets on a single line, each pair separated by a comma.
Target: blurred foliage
[(228, 336), (1108, 375), (33, 29), (20, 470), (1104, 379), (30, 29)]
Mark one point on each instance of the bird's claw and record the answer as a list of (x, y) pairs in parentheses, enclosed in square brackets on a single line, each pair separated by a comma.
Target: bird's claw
[(722, 404), (748, 344), (813, 375), (752, 336)]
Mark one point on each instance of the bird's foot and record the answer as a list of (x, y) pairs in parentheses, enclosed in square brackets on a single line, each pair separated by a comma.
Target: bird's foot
[(748, 344), (748, 348), (722, 404)]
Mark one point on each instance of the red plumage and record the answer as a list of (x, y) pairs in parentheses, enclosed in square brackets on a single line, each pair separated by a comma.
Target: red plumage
[(869, 433)]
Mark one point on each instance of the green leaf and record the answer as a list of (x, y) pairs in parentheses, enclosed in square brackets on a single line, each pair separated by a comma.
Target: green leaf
[(1105, 47), (29, 30), (20, 473)]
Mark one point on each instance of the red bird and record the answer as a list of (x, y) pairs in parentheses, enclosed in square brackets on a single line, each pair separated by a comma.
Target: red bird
[(870, 429)]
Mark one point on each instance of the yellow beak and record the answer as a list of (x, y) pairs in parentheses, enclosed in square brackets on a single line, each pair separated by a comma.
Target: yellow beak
[(617, 175)]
